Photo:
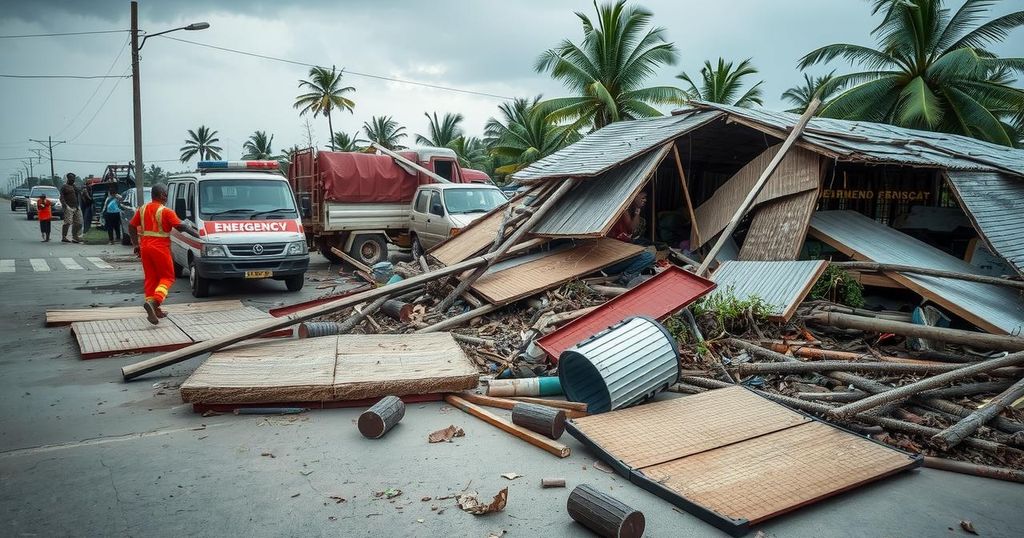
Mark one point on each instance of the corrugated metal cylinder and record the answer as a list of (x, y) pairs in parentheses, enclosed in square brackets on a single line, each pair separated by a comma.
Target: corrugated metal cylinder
[(625, 364), (313, 329)]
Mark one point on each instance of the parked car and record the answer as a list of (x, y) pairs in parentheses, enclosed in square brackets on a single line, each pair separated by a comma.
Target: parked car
[(19, 198), (441, 210), (33, 198), (128, 211)]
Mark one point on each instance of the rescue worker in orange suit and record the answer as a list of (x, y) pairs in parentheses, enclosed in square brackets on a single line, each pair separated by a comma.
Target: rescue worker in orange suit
[(150, 230)]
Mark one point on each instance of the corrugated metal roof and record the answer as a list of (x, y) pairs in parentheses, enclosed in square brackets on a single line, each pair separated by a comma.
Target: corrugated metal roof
[(995, 203), (591, 207), (612, 145), (782, 285), (879, 142), (996, 306)]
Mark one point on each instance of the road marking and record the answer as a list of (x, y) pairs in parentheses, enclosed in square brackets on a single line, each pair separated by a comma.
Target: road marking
[(6, 266), (70, 263), (39, 265), (99, 262)]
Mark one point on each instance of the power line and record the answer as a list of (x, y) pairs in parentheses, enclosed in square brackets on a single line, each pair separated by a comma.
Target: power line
[(83, 77), (348, 71), (103, 104), (95, 91), (61, 34), (113, 161)]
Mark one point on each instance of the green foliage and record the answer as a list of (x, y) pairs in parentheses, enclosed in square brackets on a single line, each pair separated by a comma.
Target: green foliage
[(385, 131), (442, 133), (324, 94), (838, 286), (721, 84), (524, 133), (728, 312), (200, 142), (259, 146), (153, 175), (932, 70), (346, 142), (607, 69), (801, 96)]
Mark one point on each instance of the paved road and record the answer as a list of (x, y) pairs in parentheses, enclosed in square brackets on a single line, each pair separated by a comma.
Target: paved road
[(84, 454)]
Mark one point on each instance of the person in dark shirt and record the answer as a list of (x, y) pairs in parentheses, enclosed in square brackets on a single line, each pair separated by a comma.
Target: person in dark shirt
[(87, 209), (72, 211)]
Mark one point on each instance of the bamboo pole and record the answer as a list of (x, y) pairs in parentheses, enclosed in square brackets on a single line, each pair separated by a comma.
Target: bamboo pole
[(359, 315), (963, 467), (747, 202), (161, 361), (895, 268), (928, 383), (956, 433), (686, 195), (970, 338), (534, 439)]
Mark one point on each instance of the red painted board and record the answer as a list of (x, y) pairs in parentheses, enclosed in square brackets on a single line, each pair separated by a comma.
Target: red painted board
[(658, 298)]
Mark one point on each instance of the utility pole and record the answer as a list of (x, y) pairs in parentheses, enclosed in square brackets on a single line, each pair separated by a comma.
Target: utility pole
[(48, 144), (140, 170)]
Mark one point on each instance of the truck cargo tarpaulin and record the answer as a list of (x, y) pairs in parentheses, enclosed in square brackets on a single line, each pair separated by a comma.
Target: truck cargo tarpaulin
[(364, 177)]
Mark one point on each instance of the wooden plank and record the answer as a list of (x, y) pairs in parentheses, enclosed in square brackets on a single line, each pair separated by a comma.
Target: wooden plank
[(202, 326), (503, 287), (802, 465), (877, 280), (103, 338), (507, 403), (479, 235), (56, 318), (535, 439), (663, 431), (779, 228), (351, 261)]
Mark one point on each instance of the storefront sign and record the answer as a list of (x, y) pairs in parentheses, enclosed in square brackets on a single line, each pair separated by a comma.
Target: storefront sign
[(857, 194)]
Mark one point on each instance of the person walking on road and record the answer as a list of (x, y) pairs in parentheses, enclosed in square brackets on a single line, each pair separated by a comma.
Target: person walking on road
[(45, 209), (112, 215), (150, 230), (72, 211)]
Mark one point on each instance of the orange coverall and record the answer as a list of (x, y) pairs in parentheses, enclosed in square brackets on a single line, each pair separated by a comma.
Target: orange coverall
[(155, 222)]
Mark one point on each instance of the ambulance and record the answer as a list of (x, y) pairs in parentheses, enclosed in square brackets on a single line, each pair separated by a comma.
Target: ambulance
[(248, 222)]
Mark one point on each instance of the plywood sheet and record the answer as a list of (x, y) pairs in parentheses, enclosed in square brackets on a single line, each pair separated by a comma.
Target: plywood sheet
[(477, 236), (799, 171), (104, 338), (254, 372), (663, 431), (68, 316), (782, 285), (555, 269), (202, 326), (769, 475), (779, 228)]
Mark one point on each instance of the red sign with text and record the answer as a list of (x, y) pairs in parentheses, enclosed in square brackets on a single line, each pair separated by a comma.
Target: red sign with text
[(250, 226)]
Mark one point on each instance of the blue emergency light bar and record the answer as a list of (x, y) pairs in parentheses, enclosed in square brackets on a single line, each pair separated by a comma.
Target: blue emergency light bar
[(237, 165)]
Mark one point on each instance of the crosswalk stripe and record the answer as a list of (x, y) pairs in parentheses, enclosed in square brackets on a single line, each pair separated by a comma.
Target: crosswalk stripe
[(70, 263), (98, 262), (6, 266), (39, 265)]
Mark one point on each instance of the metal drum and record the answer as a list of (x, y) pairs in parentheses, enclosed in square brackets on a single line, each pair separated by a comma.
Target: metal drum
[(623, 365)]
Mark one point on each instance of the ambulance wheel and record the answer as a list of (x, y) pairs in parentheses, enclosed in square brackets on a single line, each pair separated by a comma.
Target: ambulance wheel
[(200, 286), (294, 283), (369, 249)]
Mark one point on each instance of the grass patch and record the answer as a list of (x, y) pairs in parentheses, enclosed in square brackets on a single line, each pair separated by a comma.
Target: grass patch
[(94, 236)]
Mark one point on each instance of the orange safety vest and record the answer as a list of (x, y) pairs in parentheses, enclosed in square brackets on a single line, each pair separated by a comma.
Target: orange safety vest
[(158, 221)]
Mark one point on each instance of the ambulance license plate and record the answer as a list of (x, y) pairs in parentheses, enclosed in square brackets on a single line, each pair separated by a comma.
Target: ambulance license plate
[(259, 274)]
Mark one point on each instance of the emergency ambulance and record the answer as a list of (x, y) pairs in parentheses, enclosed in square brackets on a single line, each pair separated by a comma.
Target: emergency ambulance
[(248, 224)]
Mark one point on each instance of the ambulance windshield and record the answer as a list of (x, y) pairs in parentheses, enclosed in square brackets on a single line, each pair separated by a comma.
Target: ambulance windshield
[(244, 199)]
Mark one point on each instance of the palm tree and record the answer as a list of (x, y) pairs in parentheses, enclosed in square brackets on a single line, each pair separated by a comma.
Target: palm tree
[(442, 132), (931, 70), (802, 95), (259, 146), (472, 152), (325, 94), (524, 134), (385, 131), (346, 142), (201, 142), (721, 84), (608, 68)]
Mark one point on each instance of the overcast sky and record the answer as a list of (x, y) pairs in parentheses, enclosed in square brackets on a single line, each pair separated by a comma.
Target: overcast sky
[(486, 46)]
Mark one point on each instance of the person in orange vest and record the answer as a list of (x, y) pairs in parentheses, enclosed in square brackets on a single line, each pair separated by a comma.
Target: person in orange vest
[(45, 209), (150, 230)]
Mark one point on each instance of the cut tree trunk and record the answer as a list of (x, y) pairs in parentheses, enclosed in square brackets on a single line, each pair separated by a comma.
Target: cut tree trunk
[(603, 514), (377, 420), (956, 433)]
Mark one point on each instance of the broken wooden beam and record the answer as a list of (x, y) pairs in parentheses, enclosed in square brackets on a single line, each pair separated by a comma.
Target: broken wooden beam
[(895, 268), (829, 354), (507, 403), (535, 439), (351, 261), (561, 404), (956, 433), (955, 336), (753, 368), (963, 467), (455, 321)]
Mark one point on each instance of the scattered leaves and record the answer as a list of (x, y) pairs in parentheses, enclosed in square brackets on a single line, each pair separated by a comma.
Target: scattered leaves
[(268, 454), (337, 499), (967, 526), (446, 435), (469, 502), (389, 493), (511, 476)]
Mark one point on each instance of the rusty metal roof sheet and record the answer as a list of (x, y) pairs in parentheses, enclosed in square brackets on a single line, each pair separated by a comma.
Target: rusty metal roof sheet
[(612, 145), (994, 308), (995, 203), (782, 285)]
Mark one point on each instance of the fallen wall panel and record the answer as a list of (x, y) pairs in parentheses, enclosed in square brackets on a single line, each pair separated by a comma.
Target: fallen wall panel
[(782, 284), (779, 228), (995, 204)]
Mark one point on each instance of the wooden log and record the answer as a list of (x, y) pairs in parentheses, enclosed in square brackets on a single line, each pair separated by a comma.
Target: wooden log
[(561, 404), (968, 389), (832, 396), (753, 368), (539, 418), (885, 314), (351, 261), (465, 338), (377, 420), (561, 317), (927, 383), (963, 467), (516, 236), (818, 353), (359, 314), (161, 361), (455, 321), (535, 439), (955, 336), (745, 205), (472, 300), (397, 310), (895, 268), (603, 514), (507, 403), (552, 482), (956, 433)]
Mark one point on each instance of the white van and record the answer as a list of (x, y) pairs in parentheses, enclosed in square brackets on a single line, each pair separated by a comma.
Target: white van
[(248, 224), (441, 210)]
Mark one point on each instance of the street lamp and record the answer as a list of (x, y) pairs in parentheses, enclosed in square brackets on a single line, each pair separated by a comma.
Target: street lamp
[(140, 169)]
